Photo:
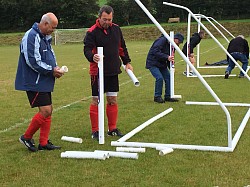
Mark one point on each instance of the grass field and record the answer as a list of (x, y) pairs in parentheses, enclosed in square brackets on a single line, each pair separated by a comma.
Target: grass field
[(187, 124)]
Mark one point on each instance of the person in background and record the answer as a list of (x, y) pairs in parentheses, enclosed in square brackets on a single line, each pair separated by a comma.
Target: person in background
[(158, 62), (104, 33), (194, 41), (36, 73), (238, 48)]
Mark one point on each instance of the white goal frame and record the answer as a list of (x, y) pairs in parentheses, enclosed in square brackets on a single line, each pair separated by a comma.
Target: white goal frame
[(232, 142)]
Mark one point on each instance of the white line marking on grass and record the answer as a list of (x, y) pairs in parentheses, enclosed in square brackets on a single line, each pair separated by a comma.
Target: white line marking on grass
[(55, 110)]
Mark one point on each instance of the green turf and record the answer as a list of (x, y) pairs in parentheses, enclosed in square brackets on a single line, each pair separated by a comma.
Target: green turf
[(187, 124)]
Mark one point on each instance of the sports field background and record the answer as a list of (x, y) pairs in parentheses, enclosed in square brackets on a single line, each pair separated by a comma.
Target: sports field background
[(195, 125)]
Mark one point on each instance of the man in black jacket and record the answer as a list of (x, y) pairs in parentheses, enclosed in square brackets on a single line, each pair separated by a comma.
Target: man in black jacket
[(108, 35), (189, 52), (238, 48)]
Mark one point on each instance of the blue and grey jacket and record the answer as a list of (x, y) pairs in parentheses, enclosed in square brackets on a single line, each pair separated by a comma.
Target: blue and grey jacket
[(36, 62)]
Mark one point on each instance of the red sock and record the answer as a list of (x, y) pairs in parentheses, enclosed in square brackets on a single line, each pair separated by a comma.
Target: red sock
[(112, 114), (93, 113), (44, 131), (34, 125)]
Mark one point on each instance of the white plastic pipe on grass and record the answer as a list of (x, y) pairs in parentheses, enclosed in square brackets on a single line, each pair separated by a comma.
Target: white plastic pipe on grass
[(165, 151), (131, 149), (71, 139), (145, 124), (132, 76), (84, 155), (158, 148), (120, 154)]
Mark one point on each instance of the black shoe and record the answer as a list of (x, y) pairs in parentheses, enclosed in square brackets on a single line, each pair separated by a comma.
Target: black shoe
[(95, 135), (168, 99), (49, 146), (115, 132), (226, 75), (158, 99), (29, 143)]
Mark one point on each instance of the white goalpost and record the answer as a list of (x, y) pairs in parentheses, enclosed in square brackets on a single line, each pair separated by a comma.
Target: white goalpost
[(172, 70), (232, 142), (198, 19)]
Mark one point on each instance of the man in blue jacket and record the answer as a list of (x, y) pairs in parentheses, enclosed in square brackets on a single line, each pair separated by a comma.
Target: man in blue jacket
[(36, 73), (158, 63)]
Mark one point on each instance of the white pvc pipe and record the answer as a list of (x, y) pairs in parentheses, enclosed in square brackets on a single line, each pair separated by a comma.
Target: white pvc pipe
[(222, 26), (215, 103), (201, 78), (198, 46), (208, 76), (145, 124), (64, 69), (207, 18), (240, 129), (158, 148), (174, 146), (131, 149), (172, 69), (83, 155), (132, 76), (71, 139), (212, 36), (188, 42), (172, 66), (120, 154), (165, 151), (101, 97)]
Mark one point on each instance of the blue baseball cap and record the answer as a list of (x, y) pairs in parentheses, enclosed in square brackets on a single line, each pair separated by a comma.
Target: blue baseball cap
[(179, 36)]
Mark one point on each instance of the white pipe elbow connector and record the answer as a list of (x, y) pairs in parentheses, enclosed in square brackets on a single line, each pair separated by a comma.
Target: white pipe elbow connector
[(64, 69)]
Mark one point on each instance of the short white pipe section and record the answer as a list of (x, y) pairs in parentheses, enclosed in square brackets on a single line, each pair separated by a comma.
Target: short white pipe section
[(131, 149), (64, 69), (83, 155), (132, 76), (120, 154), (145, 124), (101, 97), (165, 151), (173, 146), (240, 129), (215, 103), (71, 139)]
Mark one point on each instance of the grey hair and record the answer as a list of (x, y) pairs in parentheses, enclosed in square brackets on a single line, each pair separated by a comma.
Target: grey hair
[(45, 18), (241, 36), (105, 8)]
